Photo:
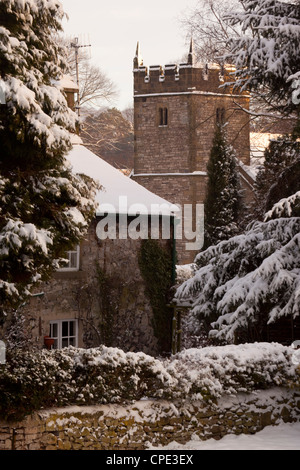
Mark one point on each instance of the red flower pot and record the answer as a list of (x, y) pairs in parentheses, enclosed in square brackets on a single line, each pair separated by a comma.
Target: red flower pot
[(48, 342)]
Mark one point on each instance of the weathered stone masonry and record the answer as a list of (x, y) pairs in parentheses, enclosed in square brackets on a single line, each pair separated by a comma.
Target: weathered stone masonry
[(107, 296), (171, 155), (135, 427)]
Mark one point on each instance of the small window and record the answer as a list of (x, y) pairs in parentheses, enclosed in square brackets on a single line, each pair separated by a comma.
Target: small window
[(163, 117), (64, 333), (73, 260), (220, 116), (2, 92)]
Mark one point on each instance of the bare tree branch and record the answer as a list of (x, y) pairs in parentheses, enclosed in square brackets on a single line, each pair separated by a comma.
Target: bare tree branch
[(110, 136), (205, 24), (95, 87)]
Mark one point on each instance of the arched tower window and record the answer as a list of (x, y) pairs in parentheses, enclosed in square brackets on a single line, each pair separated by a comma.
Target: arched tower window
[(163, 118), (220, 116)]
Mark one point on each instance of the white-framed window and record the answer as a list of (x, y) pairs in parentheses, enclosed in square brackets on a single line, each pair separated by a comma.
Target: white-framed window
[(73, 257), (64, 333)]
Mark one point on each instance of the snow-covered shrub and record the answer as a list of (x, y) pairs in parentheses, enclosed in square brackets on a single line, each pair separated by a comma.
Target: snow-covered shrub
[(211, 372), (184, 272), (33, 381), (111, 375)]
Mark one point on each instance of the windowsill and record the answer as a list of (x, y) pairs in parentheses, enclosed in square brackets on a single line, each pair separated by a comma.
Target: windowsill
[(68, 270), (70, 274)]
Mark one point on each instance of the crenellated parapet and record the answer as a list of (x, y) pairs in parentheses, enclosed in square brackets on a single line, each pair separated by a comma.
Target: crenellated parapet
[(189, 77)]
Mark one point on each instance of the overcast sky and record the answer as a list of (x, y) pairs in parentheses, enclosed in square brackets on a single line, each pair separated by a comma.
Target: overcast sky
[(113, 28)]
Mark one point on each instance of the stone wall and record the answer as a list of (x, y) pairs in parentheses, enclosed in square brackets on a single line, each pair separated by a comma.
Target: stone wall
[(184, 145), (149, 423)]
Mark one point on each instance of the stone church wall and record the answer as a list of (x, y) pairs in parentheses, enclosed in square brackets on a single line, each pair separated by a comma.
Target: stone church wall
[(182, 189)]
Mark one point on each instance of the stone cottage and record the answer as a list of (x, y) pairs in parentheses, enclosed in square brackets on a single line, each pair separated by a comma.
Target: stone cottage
[(100, 296)]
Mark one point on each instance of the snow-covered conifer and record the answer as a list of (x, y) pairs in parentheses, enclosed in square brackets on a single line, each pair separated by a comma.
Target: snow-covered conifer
[(251, 280), (45, 208), (222, 202), (266, 55)]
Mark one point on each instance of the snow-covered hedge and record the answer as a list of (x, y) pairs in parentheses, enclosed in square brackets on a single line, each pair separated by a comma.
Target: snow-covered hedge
[(32, 381), (212, 372)]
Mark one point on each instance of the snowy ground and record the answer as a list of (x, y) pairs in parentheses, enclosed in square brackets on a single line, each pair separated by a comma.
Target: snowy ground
[(281, 437)]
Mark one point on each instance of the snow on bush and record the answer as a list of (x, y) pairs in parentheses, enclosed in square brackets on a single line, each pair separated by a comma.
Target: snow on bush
[(32, 381), (211, 372), (184, 272)]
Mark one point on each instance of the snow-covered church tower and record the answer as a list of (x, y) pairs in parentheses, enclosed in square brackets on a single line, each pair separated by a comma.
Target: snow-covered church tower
[(176, 108)]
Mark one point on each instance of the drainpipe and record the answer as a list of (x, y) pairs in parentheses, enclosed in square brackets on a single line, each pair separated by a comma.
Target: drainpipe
[(174, 260)]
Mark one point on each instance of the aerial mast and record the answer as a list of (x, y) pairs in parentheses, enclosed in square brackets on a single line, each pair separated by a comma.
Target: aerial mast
[(76, 46)]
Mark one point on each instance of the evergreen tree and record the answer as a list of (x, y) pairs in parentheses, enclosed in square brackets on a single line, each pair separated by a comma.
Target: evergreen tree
[(278, 177), (222, 200), (45, 208), (266, 54), (251, 280)]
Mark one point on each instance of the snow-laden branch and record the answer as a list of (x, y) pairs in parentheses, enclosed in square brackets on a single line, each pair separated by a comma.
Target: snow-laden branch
[(266, 53), (250, 278)]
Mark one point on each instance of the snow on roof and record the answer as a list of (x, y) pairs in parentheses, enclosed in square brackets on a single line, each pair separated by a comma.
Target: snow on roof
[(259, 141), (68, 83), (119, 193)]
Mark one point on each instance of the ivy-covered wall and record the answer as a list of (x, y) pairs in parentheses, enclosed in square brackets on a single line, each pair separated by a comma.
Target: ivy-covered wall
[(156, 268)]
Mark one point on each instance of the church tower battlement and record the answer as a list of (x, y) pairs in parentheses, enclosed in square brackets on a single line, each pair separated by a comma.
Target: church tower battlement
[(188, 77)]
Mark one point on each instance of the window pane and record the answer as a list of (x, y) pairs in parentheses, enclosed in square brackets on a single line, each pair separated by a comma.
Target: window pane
[(166, 116), (73, 259), (161, 117), (67, 256), (72, 328), (65, 329), (64, 333), (53, 330)]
